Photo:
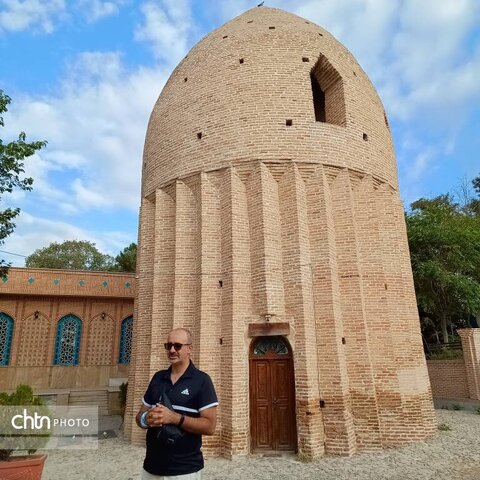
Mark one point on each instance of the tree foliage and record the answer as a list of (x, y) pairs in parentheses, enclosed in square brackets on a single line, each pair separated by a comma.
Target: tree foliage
[(12, 156), (444, 239), (70, 255), (126, 260)]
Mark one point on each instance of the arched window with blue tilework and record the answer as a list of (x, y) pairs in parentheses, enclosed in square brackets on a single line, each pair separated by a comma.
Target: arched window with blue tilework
[(6, 332), (67, 343), (126, 340)]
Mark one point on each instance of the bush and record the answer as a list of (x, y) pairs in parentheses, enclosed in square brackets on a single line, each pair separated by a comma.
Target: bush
[(12, 441), (445, 354)]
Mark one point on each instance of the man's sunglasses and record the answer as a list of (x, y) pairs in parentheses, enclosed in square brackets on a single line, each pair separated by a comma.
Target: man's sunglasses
[(177, 346)]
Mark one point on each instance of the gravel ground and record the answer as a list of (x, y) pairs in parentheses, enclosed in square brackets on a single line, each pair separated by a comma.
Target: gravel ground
[(453, 455)]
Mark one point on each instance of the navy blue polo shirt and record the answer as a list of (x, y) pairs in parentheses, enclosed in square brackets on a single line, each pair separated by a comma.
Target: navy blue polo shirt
[(192, 393)]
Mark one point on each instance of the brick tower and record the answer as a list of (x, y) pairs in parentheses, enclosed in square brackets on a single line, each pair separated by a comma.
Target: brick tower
[(271, 226)]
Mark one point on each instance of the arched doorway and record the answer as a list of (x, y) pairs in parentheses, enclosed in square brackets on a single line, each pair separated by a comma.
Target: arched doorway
[(272, 396)]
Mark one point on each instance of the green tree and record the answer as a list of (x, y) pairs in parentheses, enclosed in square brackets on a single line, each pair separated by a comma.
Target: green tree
[(473, 206), (444, 245), (126, 260), (70, 255), (12, 156), (476, 185)]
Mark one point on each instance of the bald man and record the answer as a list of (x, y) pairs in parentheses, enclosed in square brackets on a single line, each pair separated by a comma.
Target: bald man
[(194, 411)]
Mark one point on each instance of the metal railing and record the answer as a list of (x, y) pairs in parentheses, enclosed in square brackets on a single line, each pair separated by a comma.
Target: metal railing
[(443, 351)]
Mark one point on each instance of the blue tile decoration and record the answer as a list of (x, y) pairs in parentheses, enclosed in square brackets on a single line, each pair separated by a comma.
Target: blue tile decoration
[(6, 331), (4, 279), (128, 285), (67, 342), (81, 283), (56, 281), (30, 280), (104, 283), (126, 341)]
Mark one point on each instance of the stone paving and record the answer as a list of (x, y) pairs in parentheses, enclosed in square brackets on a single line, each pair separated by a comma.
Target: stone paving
[(453, 455)]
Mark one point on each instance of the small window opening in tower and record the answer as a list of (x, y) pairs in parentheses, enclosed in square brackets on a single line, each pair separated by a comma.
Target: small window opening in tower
[(327, 93), (318, 99)]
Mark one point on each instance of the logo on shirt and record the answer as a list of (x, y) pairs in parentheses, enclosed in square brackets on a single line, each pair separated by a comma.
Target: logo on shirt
[(185, 392)]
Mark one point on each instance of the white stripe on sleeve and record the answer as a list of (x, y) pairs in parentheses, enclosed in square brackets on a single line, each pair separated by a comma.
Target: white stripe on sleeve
[(210, 405), (184, 409)]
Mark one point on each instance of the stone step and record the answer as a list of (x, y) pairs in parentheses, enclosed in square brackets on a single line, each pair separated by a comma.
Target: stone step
[(85, 398)]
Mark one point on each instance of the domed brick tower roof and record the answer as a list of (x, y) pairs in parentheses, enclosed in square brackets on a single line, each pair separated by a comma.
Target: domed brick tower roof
[(246, 91)]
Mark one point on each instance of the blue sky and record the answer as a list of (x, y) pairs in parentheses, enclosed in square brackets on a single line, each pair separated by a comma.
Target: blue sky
[(85, 75)]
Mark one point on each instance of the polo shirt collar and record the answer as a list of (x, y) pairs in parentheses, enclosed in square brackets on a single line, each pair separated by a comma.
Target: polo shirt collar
[(188, 373)]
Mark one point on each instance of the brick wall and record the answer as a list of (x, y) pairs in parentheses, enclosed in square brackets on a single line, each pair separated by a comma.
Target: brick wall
[(448, 379)]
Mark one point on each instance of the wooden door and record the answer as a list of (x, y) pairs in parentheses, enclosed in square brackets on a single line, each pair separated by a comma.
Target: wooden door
[(272, 396)]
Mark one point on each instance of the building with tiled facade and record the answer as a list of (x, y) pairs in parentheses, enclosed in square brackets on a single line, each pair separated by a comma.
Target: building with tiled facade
[(65, 330), (271, 226)]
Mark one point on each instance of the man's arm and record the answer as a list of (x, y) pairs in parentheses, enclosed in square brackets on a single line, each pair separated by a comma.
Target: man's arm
[(203, 425)]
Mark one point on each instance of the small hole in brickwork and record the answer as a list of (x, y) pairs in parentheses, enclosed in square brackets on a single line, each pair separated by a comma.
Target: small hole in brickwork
[(343, 340), (386, 287), (221, 341), (225, 36), (185, 79), (271, 28), (305, 59), (322, 403), (365, 137), (354, 74), (241, 60), (220, 283), (321, 34), (199, 135), (250, 21), (308, 23), (288, 122), (386, 119)]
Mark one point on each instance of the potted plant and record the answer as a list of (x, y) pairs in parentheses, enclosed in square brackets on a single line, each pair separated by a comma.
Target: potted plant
[(21, 403)]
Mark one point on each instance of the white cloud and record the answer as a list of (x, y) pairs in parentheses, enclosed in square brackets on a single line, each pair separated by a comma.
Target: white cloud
[(18, 15), (95, 127), (96, 9), (27, 238), (165, 28), (45, 15)]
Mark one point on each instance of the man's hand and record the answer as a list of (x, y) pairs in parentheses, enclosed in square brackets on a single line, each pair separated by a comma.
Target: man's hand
[(161, 415)]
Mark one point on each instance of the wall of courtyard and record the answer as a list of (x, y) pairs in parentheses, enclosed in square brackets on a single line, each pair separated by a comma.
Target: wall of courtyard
[(64, 329)]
